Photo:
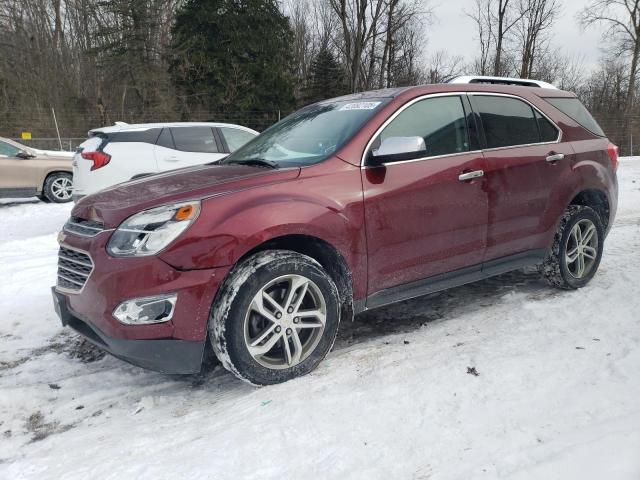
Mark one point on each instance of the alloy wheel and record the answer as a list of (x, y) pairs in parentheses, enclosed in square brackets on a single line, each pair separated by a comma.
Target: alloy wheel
[(62, 188), (285, 321), (581, 251)]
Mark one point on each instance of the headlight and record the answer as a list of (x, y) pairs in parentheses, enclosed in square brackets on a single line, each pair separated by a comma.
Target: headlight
[(148, 232)]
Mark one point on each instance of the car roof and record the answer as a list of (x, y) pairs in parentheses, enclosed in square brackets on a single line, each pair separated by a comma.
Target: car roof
[(452, 87), (126, 127)]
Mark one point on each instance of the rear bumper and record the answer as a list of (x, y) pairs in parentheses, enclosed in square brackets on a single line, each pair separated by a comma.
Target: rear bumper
[(162, 355)]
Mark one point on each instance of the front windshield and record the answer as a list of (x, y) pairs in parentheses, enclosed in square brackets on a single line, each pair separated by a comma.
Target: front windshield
[(309, 135)]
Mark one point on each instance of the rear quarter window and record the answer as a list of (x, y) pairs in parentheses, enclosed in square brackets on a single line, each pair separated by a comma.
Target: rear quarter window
[(572, 107), (150, 135)]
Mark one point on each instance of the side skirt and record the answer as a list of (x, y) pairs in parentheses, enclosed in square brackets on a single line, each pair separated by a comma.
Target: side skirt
[(17, 192), (448, 280)]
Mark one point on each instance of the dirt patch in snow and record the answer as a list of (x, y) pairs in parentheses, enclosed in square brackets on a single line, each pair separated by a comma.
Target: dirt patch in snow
[(40, 429), (72, 345)]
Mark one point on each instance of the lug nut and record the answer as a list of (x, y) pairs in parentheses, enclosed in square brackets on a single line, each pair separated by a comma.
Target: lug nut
[(290, 310), (289, 331), (296, 320), (278, 329), (278, 315)]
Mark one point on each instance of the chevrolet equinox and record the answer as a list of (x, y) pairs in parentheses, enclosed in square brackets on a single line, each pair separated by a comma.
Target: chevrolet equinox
[(346, 205)]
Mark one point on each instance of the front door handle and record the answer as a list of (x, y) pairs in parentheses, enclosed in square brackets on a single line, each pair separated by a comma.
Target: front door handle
[(172, 158), (464, 177), (555, 157)]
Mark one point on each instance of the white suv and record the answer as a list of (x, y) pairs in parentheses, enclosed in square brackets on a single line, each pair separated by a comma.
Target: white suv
[(126, 151)]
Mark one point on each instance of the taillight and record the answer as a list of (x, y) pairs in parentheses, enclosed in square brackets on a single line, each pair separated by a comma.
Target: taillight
[(612, 150), (99, 159)]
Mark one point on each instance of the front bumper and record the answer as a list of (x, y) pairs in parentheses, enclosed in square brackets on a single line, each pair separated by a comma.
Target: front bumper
[(173, 346), (162, 355)]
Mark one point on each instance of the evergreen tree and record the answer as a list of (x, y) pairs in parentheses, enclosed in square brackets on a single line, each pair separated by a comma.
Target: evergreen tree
[(326, 78), (233, 55)]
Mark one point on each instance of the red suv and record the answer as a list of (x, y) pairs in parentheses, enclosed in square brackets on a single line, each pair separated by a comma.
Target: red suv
[(346, 205)]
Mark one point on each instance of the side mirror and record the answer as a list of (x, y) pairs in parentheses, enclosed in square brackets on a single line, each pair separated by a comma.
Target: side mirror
[(24, 154), (394, 149)]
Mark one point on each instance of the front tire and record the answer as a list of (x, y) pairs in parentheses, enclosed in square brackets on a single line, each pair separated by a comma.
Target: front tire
[(577, 249), (275, 318), (58, 187)]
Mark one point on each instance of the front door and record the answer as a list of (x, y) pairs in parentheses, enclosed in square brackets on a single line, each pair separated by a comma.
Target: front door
[(16, 174), (426, 211)]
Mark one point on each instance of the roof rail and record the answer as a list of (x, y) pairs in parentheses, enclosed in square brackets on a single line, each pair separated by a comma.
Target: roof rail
[(523, 82)]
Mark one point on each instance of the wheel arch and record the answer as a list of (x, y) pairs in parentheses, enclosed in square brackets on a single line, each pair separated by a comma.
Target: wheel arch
[(48, 173), (327, 255), (596, 199)]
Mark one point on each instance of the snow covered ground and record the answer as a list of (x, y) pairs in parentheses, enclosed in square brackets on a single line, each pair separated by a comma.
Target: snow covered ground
[(556, 395)]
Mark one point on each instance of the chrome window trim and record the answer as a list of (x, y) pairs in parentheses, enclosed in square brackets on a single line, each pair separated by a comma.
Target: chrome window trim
[(68, 290), (456, 94), (97, 230)]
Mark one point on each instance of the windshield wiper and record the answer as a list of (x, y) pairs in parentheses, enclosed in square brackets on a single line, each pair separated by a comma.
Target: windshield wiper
[(258, 162)]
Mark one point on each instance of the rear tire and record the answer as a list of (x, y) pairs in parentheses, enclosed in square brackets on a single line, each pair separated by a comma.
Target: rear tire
[(577, 249), (58, 187), (275, 317)]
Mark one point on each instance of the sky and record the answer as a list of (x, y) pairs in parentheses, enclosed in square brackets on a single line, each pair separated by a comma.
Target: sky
[(454, 32)]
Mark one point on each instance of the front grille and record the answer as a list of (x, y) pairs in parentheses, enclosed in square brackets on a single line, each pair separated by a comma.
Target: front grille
[(82, 227), (74, 268)]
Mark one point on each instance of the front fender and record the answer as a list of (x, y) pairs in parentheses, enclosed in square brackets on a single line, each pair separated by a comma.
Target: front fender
[(326, 206)]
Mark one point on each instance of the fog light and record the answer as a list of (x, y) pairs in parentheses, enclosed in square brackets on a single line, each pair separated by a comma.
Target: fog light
[(143, 311)]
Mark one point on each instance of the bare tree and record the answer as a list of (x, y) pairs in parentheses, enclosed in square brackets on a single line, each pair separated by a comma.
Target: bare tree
[(442, 67), (358, 20), (536, 17), (369, 38), (622, 19), (495, 20), (482, 18)]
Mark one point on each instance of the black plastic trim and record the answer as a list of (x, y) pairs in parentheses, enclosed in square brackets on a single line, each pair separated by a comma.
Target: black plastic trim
[(448, 280), (17, 192), (220, 140), (171, 356)]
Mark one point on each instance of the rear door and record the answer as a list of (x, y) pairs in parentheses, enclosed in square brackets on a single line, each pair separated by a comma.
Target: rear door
[(179, 147), (422, 218), (525, 158)]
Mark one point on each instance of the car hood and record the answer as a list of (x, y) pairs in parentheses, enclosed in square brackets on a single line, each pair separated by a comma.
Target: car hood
[(116, 203)]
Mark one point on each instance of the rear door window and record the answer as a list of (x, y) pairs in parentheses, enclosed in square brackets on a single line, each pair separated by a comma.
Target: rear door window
[(572, 107), (236, 137), (195, 139), (506, 121)]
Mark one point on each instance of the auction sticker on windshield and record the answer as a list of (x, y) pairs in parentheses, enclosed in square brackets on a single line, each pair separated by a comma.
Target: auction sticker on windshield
[(360, 106)]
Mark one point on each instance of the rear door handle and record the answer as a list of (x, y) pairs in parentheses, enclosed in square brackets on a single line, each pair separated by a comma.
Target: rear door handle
[(463, 177), (172, 158), (555, 157)]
